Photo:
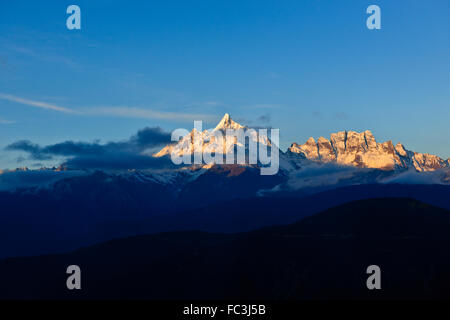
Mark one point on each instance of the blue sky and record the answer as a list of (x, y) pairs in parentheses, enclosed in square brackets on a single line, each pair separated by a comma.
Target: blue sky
[(307, 67)]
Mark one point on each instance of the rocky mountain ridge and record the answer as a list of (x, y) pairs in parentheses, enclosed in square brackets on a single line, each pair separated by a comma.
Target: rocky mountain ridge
[(362, 150), (347, 148)]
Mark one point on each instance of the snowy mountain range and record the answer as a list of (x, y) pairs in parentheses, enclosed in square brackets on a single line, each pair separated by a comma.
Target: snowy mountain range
[(346, 158), (80, 206), (348, 148), (362, 150)]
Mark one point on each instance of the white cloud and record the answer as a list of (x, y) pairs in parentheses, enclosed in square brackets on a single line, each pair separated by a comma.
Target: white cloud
[(46, 54), (34, 103), (213, 104), (439, 176), (115, 111), (132, 112)]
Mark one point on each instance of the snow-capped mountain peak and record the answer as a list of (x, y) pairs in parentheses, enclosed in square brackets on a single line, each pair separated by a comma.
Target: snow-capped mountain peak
[(362, 150), (350, 148), (228, 123), (199, 142)]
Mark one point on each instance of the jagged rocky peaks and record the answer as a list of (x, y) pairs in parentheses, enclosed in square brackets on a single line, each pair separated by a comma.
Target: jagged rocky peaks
[(205, 140), (350, 148), (362, 150)]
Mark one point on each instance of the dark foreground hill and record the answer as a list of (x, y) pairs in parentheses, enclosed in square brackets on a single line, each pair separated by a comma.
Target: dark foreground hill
[(84, 212), (323, 256)]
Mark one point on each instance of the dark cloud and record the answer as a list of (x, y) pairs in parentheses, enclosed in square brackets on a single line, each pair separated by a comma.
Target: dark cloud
[(265, 118), (112, 155), (33, 149), (24, 145), (70, 148), (67, 148), (149, 137)]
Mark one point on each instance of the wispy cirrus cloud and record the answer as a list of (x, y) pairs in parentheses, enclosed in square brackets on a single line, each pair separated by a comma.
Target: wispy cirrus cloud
[(44, 54), (34, 103), (115, 111), (133, 112), (3, 121), (265, 118)]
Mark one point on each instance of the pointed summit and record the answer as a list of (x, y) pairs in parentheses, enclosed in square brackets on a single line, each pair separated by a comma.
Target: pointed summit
[(208, 141), (226, 117), (228, 123)]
